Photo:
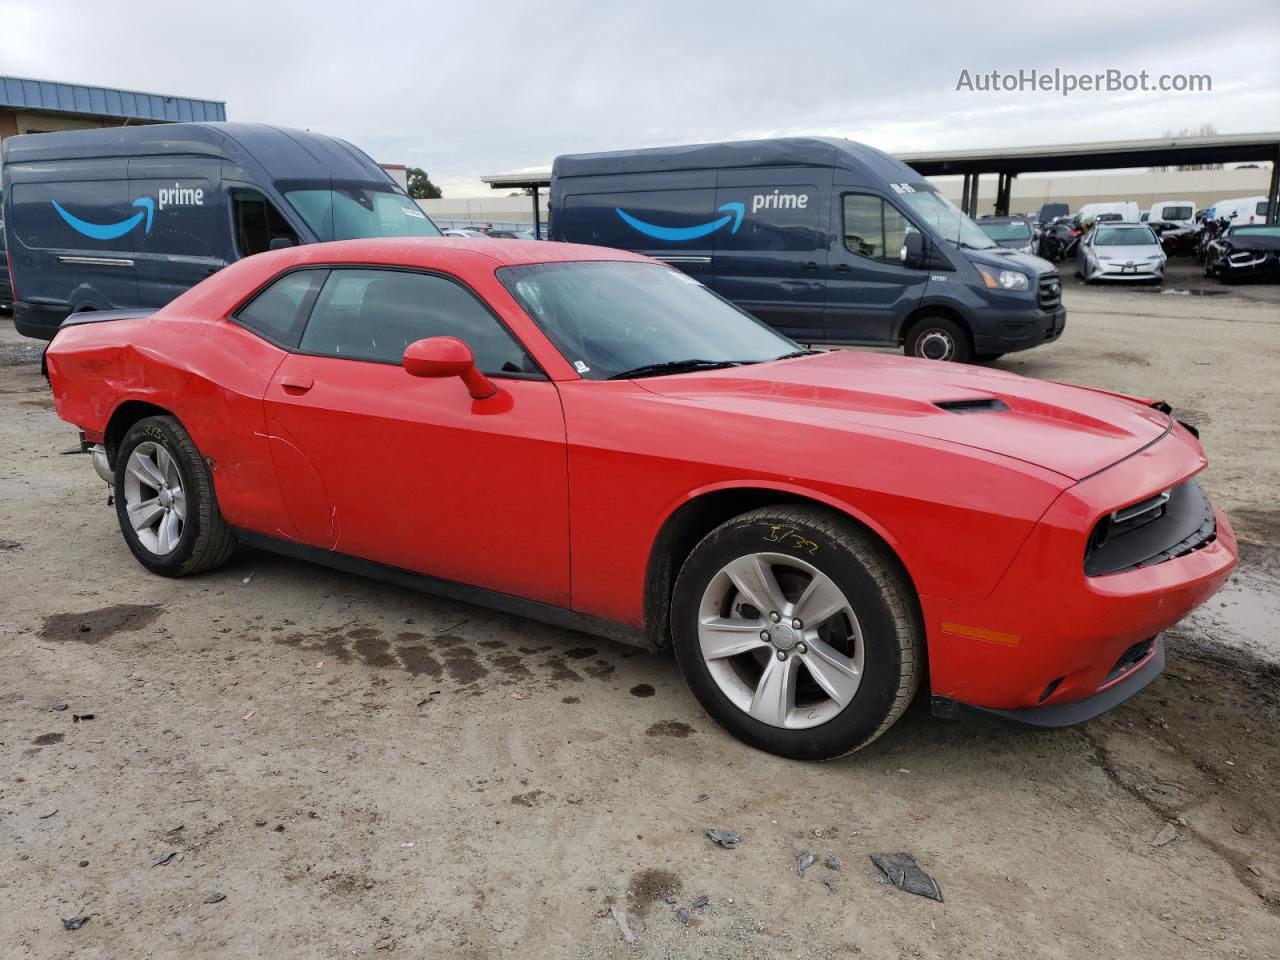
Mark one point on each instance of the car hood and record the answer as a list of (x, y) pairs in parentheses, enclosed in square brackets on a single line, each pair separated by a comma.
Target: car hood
[(1259, 244), (1073, 431), (1002, 258), (1144, 251)]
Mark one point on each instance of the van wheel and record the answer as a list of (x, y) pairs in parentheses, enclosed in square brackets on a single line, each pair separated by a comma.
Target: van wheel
[(937, 338), (165, 501), (798, 632)]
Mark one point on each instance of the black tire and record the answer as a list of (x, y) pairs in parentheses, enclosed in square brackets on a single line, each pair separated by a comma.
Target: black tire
[(928, 334), (879, 592), (205, 541)]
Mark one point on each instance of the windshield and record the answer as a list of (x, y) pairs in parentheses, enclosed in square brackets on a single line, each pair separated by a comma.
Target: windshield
[(1254, 231), (608, 318), (1016, 230), (1176, 213), (1124, 237), (947, 219), (355, 212)]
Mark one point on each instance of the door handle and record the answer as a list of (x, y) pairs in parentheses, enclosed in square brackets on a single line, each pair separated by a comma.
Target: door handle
[(843, 268), (811, 265), (297, 384)]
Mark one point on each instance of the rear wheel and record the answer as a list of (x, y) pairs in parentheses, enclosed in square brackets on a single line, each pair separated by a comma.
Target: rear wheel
[(165, 501), (938, 338), (798, 632)]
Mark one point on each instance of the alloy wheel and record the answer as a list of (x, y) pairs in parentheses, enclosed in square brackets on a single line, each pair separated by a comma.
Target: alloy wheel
[(155, 502), (781, 641)]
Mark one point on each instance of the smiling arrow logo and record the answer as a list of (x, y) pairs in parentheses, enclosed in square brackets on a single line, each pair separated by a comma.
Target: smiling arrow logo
[(109, 231), (735, 212)]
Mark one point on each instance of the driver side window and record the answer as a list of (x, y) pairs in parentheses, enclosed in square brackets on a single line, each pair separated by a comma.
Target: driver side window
[(374, 314), (874, 228)]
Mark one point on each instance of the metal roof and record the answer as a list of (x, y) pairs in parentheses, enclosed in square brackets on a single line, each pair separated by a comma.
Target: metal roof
[(1104, 155), (47, 95)]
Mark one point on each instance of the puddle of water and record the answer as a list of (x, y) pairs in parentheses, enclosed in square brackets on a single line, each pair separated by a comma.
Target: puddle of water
[(1244, 614)]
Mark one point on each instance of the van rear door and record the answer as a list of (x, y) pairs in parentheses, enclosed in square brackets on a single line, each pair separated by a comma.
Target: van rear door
[(668, 216), (189, 237), (71, 235), (774, 263)]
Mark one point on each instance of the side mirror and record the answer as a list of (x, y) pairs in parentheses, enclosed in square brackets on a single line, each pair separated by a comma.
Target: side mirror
[(280, 243), (912, 254), (447, 357)]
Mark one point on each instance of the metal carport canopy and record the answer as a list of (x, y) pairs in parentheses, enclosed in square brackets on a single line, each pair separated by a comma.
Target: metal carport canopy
[(1011, 161)]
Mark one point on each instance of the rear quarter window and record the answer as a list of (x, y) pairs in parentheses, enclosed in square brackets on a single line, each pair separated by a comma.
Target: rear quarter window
[(279, 311)]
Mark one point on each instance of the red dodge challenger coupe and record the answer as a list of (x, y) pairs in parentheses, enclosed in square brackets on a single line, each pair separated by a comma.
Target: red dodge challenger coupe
[(597, 440)]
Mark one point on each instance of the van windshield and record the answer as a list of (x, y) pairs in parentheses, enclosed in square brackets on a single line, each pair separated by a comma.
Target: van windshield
[(355, 212), (947, 219)]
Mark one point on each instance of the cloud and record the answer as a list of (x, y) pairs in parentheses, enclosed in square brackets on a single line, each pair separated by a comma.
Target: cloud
[(467, 89)]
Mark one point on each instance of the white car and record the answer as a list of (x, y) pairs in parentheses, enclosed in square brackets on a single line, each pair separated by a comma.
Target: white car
[(1121, 251), (1172, 211), (1126, 209), (460, 232)]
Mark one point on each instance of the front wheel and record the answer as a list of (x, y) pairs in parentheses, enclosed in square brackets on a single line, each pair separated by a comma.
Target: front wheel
[(165, 501), (798, 632), (937, 338)]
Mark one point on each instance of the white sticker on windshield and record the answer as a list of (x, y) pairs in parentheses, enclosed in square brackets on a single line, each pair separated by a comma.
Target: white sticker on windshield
[(581, 367), (902, 188), (413, 212)]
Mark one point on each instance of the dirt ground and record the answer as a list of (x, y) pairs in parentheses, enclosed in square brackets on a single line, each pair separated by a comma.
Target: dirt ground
[(357, 769)]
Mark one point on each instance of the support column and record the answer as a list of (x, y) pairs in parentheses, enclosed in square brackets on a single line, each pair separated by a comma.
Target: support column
[(964, 195), (1273, 191), (537, 215)]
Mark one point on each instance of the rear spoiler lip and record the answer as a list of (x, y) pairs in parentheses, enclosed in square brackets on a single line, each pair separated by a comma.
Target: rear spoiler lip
[(89, 316), (102, 316)]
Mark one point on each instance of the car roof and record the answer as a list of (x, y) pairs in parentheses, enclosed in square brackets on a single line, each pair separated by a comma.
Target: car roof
[(446, 252)]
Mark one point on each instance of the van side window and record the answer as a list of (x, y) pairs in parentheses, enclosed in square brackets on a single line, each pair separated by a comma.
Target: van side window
[(874, 228), (375, 314), (278, 312), (257, 223)]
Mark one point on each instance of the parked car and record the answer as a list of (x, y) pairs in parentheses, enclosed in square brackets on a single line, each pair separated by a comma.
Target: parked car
[(1244, 251), (1012, 233), (1049, 212), (1125, 211), (1171, 211), (1177, 239), (1240, 210), (1058, 239), (463, 233), (826, 240), (128, 217), (791, 519), (1121, 251)]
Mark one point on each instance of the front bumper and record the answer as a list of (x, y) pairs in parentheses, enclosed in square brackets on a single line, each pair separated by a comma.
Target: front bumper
[(1020, 330), (1257, 266), (1048, 634), (1056, 716), (1121, 271)]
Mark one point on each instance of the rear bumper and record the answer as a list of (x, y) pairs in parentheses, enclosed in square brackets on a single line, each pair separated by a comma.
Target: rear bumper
[(37, 320), (1056, 716)]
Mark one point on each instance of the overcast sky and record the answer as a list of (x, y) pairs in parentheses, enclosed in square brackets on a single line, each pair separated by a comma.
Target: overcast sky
[(467, 88)]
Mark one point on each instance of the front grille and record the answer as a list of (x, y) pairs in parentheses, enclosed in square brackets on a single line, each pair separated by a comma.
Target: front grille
[(1050, 291), (1159, 528)]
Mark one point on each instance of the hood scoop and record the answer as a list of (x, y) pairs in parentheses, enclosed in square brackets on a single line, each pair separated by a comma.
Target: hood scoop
[(981, 405)]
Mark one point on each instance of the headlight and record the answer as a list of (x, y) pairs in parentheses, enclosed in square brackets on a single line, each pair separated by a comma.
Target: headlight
[(1004, 280)]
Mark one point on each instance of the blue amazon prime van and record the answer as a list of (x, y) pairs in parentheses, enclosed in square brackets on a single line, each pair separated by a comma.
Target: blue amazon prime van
[(130, 217), (827, 240)]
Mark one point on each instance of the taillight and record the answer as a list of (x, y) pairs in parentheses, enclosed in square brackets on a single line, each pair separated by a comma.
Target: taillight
[(13, 284)]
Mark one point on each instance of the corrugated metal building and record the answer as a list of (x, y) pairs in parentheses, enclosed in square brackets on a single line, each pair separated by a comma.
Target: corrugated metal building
[(44, 106)]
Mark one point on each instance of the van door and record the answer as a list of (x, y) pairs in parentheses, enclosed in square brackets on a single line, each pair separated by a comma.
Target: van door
[(71, 237), (870, 289), (774, 262), (189, 236), (669, 216)]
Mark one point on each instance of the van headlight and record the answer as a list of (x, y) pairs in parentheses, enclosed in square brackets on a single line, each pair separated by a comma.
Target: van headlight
[(1004, 279)]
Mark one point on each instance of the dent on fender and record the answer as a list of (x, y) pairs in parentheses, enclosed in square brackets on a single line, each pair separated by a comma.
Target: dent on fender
[(310, 505)]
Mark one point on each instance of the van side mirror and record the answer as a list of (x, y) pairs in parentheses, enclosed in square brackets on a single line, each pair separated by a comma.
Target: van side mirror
[(280, 243), (912, 254), (447, 357)]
